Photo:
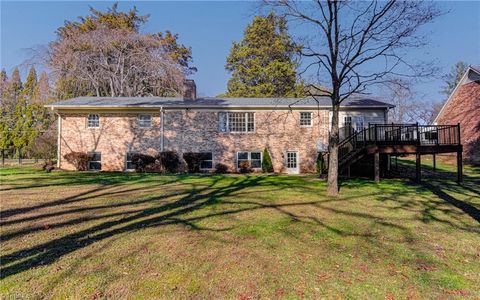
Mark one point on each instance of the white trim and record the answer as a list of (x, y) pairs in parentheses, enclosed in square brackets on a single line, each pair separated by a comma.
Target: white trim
[(453, 93), (93, 127), (139, 122), (291, 170), (213, 165), (162, 133), (300, 119), (90, 161), (217, 108), (249, 159), (125, 161), (59, 140)]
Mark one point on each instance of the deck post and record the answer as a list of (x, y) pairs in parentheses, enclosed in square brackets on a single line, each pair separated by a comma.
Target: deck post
[(434, 161), (459, 166), (418, 168), (376, 166)]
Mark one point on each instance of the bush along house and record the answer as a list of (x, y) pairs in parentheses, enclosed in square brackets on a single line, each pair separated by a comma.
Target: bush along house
[(230, 133)]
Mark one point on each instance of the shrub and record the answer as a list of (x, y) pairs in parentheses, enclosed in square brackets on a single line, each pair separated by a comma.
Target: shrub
[(169, 160), (267, 166), (48, 166), (193, 161), (78, 159), (321, 165), (141, 161), (221, 168), (155, 167), (245, 167)]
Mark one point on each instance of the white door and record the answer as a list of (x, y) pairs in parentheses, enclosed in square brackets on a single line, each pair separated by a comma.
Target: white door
[(292, 162)]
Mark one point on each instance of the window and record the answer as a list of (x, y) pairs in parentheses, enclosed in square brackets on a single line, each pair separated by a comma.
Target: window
[(145, 121), (359, 123), (207, 161), (305, 119), (93, 121), (254, 158), (347, 121), (95, 161), (129, 165), (236, 122)]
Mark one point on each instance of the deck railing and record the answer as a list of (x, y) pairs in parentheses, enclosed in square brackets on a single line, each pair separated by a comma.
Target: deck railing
[(397, 134)]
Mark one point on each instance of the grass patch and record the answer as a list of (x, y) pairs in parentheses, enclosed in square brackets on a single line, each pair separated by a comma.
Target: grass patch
[(129, 235)]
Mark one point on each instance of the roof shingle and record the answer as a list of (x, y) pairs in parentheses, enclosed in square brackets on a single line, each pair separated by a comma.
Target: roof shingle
[(152, 102)]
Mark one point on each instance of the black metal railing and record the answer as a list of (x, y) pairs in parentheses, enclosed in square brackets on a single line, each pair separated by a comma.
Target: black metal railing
[(396, 134)]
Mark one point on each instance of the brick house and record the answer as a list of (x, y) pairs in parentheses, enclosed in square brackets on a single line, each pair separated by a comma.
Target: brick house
[(463, 107), (229, 130)]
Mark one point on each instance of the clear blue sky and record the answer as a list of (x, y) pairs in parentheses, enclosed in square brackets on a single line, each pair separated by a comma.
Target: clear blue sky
[(210, 27)]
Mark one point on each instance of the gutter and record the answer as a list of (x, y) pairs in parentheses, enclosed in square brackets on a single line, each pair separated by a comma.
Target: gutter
[(162, 117), (252, 107), (59, 134)]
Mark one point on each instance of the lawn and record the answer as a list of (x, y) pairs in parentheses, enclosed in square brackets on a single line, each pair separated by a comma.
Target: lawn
[(128, 235)]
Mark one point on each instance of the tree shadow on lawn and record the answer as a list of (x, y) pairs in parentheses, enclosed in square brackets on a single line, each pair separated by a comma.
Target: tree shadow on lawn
[(176, 212)]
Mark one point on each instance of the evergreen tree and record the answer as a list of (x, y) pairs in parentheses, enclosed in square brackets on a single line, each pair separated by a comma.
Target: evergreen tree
[(30, 83), (41, 93), (3, 83), (267, 166), (262, 64), (15, 84), (454, 77)]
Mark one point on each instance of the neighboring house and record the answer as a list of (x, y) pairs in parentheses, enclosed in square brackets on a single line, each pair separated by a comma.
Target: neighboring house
[(463, 107), (230, 130)]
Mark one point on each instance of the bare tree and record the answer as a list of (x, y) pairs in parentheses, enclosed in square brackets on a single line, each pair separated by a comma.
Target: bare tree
[(356, 44), (117, 62), (410, 106)]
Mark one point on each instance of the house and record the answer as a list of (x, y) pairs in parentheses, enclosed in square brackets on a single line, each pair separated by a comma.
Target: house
[(463, 107), (228, 130)]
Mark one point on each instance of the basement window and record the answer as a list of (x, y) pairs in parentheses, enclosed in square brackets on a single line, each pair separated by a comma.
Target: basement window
[(95, 161), (207, 161), (254, 159), (129, 165)]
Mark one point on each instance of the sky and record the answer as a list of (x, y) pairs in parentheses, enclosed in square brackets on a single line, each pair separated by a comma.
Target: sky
[(211, 27)]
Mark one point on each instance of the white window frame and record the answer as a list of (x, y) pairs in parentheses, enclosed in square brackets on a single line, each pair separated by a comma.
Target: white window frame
[(345, 121), (96, 122), (357, 120), (126, 160), (310, 119), (95, 161), (249, 159), (207, 169), (227, 115), (142, 123)]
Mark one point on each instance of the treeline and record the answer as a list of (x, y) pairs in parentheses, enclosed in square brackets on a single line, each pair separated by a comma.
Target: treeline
[(26, 125)]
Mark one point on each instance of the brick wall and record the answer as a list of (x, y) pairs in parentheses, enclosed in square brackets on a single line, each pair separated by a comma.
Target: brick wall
[(464, 108), (194, 131)]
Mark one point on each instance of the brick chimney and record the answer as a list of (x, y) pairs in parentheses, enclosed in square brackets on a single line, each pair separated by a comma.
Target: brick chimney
[(189, 90)]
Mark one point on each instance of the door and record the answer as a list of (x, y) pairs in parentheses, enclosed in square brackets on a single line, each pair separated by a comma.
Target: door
[(292, 162)]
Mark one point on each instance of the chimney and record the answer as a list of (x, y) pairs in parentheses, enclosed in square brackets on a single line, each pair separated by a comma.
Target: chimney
[(189, 89)]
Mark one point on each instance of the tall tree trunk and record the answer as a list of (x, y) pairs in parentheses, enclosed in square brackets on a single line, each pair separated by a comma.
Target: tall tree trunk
[(332, 189)]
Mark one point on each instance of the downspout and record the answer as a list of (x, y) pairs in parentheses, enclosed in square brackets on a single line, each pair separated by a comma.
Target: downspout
[(162, 116), (59, 134)]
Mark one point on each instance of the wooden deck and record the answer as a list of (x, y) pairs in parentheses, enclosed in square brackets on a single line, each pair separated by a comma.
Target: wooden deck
[(398, 139)]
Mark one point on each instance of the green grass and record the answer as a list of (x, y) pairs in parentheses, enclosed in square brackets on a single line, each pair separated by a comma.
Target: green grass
[(127, 235)]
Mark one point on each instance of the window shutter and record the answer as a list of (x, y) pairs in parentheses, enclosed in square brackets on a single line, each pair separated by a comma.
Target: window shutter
[(222, 121)]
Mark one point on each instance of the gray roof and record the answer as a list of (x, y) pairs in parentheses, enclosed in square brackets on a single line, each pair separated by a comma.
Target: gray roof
[(475, 68), (217, 102)]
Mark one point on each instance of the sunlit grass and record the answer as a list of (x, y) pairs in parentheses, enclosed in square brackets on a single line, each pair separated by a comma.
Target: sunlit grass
[(129, 235)]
